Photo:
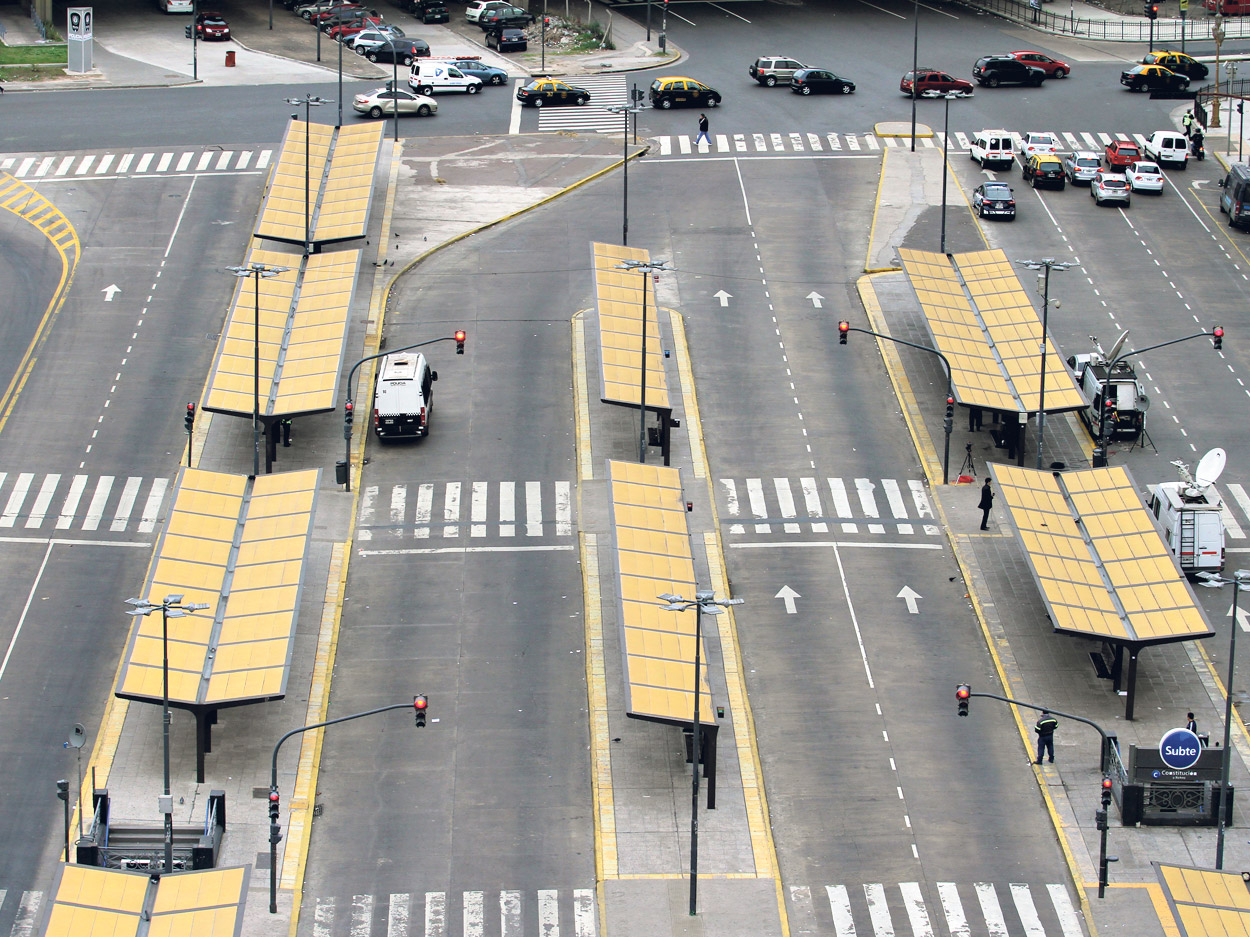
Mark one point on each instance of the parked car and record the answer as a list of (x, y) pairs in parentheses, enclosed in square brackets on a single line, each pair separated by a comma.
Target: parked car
[(1081, 166), (1144, 176), (489, 74), (210, 27), (309, 10), (994, 70), (1178, 62), (1044, 169), (373, 37), (768, 70), (543, 91), (1035, 141), (1153, 78), (820, 81), (381, 101), (1052, 67), (336, 13), (403, 51), (502, 17), (507, 40), (476, 8), (1110, 187), (994, 200), (428, 11), (676, 91), (1119, 153), (346, 32), (931, 83)]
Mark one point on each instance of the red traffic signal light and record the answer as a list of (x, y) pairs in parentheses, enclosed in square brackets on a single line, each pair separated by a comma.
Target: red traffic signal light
[(962, 694), (460, 341), (843, 328), (189, 419), (275, 804), (1217, 337), (420, 704)]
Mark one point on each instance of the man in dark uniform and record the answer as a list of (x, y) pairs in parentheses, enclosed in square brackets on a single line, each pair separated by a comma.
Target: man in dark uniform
[(987, 502), (1045, 728)]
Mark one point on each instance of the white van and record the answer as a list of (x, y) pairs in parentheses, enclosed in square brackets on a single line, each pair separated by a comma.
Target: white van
[(428, 77), (1168, 146), (995, 147), (404, 397)]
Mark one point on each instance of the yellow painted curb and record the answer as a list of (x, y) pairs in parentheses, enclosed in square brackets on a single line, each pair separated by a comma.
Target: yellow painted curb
[(872, 228), (581, 400)]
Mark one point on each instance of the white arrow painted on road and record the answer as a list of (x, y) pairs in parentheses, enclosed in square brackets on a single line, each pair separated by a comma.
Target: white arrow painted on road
[(788, 596), (723, 297), (815, 298), (909, 595), (990, 174), (110, 291), (1243, 617), (1199, 183)]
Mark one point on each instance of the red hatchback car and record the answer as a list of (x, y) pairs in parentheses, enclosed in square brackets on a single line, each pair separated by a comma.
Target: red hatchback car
[(1120, 153), (932, 83), (1052, 67)]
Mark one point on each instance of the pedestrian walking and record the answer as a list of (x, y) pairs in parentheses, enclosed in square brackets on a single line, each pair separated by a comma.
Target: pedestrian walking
[(1188, 122), (702, 131), (1045, 728), (1191, 724), (987, 502)]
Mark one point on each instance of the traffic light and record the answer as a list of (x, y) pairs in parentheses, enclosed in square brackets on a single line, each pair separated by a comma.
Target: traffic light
[(419, 704), (843, 328), (950, 414), (1106, 792), (460, 341), (962, 693), (189, 419), (1152, 11), (1217, 337), (347, 416), (62, 790), (275, 804)]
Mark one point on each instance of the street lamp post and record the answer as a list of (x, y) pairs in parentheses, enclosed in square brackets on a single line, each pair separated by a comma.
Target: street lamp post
[(624, 110), (645, 269), (309, 101), (1218, 35), (1240, 579), (915, 50), (702, 601), (1046, 264), (946, 127), (256, 271), (171, 606)]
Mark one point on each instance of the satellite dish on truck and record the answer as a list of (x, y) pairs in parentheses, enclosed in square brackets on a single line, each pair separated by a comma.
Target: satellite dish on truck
[(1209, 468)]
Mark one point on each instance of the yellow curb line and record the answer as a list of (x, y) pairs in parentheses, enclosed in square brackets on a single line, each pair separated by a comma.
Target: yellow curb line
[(924, 445), (607, 865), (581, 400), (872, 228)]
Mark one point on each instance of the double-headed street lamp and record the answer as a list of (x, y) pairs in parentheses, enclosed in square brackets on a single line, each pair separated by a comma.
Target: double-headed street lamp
[(625, 110), (1046, 264), (1240, 580), (171, 606), (257, 271), (309, 101), (646, 268), (946, 133), (702, 602)]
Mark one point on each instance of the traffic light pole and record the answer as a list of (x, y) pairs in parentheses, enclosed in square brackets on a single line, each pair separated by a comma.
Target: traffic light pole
[(275, 831), (1108, 739), (845, 327), (1100, 819), (349, 407)]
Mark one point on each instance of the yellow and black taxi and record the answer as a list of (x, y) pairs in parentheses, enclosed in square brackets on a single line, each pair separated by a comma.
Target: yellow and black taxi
[(1044, 169), (1153, 78), (543, 91), (1178, 62), (676, 91)]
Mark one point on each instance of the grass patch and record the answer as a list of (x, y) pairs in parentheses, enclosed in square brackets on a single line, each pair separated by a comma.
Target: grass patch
[(33, 55), (15, 76), (589, 38)]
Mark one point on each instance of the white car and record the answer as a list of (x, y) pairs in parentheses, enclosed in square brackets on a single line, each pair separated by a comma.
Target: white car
[(473, 12), (382, 101), (1035, 142), (374, 37), (1144, 176)]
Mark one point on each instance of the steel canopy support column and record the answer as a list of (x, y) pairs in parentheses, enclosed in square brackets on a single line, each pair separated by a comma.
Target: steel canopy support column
[(1133, 651)]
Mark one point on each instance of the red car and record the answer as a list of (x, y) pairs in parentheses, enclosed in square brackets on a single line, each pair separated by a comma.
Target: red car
[(346, 30), (1120, 153), (932, 83), (322, 15), (209, 26), (1052, 67)]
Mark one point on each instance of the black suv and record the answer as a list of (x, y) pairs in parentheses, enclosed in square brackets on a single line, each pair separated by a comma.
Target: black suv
[(995, 70)]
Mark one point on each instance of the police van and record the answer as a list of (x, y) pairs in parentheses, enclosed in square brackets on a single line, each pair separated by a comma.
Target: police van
[(403, 399), (428, 77), (1235, 195)]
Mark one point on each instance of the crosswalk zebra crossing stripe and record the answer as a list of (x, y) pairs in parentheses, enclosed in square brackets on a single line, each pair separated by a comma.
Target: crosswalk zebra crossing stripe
[(41, 510), (517, 915), (495, 509), (605, 91), (908, 505), (112, 165), (901, 911), (821, 143), (26, 914)]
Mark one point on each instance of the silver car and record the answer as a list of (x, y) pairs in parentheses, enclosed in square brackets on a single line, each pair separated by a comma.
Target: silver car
[(1081, 166), (1110, 187), (383, 100)]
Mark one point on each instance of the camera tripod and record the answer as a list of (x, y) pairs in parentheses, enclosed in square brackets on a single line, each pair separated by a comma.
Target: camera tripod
[(968, 467)]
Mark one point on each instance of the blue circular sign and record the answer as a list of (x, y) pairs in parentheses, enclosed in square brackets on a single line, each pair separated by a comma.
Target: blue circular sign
[(1179, 749)]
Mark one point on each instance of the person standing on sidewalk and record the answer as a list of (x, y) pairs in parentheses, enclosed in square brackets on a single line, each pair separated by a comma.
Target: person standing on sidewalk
[(987, 502), (1045, 728), (702, 131)]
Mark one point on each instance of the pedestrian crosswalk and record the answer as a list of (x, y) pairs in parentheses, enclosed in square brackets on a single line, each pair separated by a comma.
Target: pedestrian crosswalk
[(820, 143), (594, 117), (113, 165), (508, 913), (828, 505), (914, 909), (22, 910), (475, 509), (90, 503)]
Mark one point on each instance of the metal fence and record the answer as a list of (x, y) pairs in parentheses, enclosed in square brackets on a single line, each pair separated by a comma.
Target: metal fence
[(1126, 29), (1204, 100)]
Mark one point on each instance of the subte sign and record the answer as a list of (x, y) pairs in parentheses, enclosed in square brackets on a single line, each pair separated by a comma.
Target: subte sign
[(1179, 749)]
